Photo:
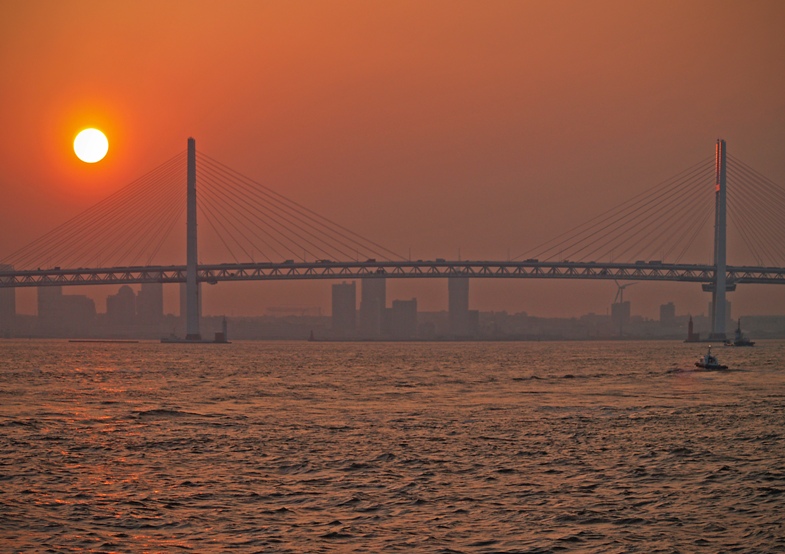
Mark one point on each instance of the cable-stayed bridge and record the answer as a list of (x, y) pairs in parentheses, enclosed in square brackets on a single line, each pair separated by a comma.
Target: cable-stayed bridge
[(270, 237)]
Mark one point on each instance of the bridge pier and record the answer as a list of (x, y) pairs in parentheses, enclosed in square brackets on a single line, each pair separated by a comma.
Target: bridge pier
[(191, 288)]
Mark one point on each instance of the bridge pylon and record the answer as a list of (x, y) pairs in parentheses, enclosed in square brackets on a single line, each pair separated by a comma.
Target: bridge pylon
[(719, 286), (191, 286)]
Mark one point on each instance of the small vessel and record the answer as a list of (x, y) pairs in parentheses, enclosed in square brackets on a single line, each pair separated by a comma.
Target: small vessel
[(709, 361), (739, 339)]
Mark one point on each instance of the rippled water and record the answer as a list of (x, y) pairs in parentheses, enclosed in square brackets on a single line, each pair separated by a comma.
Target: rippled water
[(318, 447)]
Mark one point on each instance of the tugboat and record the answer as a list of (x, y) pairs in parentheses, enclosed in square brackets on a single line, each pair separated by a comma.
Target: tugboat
[(739, 339), (709, 361)]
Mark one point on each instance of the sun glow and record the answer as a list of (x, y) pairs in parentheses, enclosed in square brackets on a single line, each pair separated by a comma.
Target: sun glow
[(91, 146)]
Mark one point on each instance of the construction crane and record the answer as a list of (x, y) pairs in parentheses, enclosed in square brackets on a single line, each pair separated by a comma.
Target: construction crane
[(620, 291)]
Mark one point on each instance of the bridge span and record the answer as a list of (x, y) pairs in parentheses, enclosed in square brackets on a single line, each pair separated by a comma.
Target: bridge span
[(420, 269)]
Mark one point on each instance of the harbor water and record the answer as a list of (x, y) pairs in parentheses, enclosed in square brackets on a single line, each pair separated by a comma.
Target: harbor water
[(391, 447)]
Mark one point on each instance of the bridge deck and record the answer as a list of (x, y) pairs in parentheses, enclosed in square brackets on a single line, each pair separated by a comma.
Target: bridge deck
[(298, 271)]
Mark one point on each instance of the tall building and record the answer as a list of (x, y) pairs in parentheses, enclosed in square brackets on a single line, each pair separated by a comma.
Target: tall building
[(373, 303), (458, 304), (620, 315), (79, 312), (7, 306), (150, 309), (150, 303), (667, 314), (50, 305), (403, 319), (64, 315), (344, 309), (121, 307)]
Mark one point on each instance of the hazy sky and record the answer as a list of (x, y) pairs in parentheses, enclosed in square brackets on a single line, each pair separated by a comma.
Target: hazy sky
[(438, 126)]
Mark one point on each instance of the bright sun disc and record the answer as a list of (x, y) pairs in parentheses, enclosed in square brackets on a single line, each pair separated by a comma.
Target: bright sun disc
[(91, 146)]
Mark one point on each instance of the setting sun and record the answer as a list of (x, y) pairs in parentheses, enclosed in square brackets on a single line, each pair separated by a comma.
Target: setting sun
[(91, 145)]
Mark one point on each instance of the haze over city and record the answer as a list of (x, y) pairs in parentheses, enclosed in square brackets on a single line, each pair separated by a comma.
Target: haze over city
[(440, 130)]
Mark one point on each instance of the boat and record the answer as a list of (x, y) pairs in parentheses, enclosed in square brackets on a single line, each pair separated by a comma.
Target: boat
[(739, 339), (709, 361)]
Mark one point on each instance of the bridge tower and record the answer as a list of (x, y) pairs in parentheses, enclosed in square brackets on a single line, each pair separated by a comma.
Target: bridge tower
[(719, 286), (191, 286)]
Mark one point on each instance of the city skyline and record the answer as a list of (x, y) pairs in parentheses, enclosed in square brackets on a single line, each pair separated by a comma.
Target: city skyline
[(132, 315)]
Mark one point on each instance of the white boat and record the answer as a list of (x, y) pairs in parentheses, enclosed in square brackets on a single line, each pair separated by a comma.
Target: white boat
[(709, 361)]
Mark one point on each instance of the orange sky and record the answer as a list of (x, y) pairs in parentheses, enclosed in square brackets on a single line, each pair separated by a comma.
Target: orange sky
[(432, 126)]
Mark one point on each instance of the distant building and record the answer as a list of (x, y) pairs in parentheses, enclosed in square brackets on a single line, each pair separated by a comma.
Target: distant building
[(79, 311), (620, 315), (51, 314), (458, 306), (150, 304), (474, 323), (764, 326), (373, 303), (121, 307), (7, 306), (344, 309), (62, 315), (49, 304), (668, 315), (403, 319)]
